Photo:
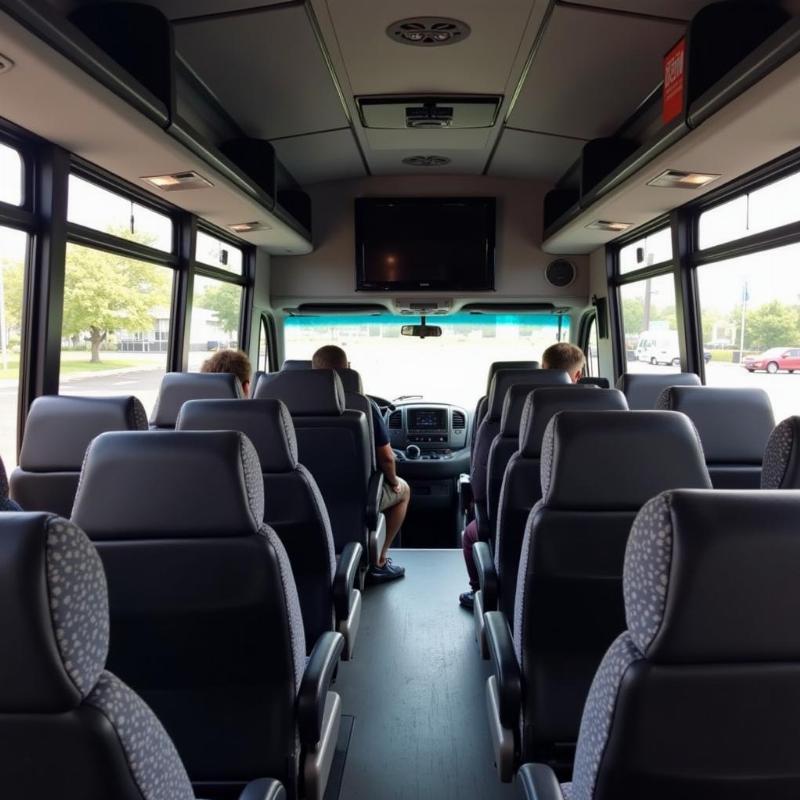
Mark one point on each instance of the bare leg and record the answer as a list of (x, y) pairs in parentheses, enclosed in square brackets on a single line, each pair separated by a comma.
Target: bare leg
[(394, 520)]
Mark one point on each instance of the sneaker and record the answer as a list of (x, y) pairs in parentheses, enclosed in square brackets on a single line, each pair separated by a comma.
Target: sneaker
[(467, 600), (388, 572)]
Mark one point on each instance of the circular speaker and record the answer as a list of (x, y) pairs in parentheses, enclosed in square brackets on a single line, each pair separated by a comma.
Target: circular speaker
[(560, 273)]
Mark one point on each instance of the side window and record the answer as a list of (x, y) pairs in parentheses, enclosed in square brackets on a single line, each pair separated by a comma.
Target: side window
[(592, 350), (263, 345)]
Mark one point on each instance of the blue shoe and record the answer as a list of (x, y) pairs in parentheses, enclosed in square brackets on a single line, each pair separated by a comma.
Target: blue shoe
[(467, 600), (388, 572)]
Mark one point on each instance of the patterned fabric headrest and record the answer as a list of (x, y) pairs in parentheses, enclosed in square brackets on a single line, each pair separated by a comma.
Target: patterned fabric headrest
[(711, 577), (351, 381), (781, 468), (643, 390), (541, 404), (306, 392), (734, 424), (296, 363), (266, 423), (178, 387), (496, 366), (618, 460), (53, 614), (170, 484), (506, 378), (59, 429)]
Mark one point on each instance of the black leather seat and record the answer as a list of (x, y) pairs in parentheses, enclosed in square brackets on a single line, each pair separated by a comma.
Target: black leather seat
[(356, 400), (205, 619), (178, 387), (734, 426), (57, 432), (600, 382), (295, 510), (598, 469), (521, 490), (334, 445), (642, 390), (698, 699), (297, 363), (502, 381), (68, 728), (781, 469), (6, 503)]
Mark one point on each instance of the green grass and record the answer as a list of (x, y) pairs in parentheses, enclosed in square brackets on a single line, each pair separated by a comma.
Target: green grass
[(78, 361), (725, 356)]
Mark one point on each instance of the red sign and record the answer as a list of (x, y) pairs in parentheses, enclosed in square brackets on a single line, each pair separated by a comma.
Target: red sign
[(674, 82)]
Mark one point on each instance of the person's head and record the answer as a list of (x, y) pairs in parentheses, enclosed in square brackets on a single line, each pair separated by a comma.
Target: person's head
[(330, 357), (233, 361), (566, 357)]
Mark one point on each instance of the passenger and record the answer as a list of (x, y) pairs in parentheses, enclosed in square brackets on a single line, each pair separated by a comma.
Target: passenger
[(233, 361), (561, 355), (6, 503), (396, 492)]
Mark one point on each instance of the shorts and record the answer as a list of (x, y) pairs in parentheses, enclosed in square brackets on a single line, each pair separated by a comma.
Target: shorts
[(390, 498)]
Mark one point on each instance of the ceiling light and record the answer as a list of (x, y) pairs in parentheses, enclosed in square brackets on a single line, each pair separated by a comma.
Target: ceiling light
[(248, 227), (426, 161), (178, 181), (606, 225), (6, 64), (428, 31), (675, 179)]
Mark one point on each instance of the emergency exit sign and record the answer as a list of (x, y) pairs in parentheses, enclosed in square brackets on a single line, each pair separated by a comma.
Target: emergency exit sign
[(674, 82)]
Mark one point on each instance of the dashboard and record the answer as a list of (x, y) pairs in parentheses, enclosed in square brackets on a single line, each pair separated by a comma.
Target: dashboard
[(428, 431)]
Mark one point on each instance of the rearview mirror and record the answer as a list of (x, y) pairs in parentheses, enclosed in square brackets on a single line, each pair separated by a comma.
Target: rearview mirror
[(421, 331)]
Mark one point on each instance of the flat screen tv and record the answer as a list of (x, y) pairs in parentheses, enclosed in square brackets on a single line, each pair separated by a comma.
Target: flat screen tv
[(425, 243)]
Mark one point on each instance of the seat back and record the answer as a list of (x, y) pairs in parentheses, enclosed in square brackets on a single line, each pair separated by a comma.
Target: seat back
[(734, 426), (598, 469), (356, 400), (593, 381), (57, 432), (642, 390), (296, 363), (521, 484), (178, 387), (333, 444), (68, 728), (293, 505), (205, 618), (781, 469), (698, 698)]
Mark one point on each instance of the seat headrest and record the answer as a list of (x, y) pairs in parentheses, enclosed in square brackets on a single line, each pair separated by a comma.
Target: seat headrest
[(351, 381), (53, 614), (711, 577), (642, 389), (170, 484), (178, 387), (496, 366), (734, 424), (514, 406), (504, 379), (59, 428), (781, 468), (542, 404), (601, 382), (296, 363), (307, 392), (618, 460), (266, 423)]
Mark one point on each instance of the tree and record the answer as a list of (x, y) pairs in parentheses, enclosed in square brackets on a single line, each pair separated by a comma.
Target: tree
[(632, 316), (225, 300), (104, 293), (773, 324)]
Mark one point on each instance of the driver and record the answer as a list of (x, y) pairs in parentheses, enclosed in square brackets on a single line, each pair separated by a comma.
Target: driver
[(396, 492)]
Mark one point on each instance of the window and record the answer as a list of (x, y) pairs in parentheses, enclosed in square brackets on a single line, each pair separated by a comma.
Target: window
[(592, 349), (750, 314), (655, 248), (116, 325), (97, 208), (451, 368), (648, 317), (763, 209), (13, 253), (216, 253), (216, 313), (263, 346), (11, 173)]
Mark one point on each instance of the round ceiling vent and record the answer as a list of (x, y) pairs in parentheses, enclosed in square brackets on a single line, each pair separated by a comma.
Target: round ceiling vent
[(426, 161), (560, 273), (428, 31)]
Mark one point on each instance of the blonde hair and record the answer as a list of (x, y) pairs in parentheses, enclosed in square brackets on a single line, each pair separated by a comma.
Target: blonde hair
[(564, 355)]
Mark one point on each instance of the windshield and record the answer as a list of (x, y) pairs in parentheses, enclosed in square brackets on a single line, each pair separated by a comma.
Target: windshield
[(451, 368)]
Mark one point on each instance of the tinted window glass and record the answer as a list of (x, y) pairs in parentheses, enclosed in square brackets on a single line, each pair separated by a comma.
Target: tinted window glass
[(216, 313), (263, 346), (217, 253), (11, 172), (593, 350), (654, 248)]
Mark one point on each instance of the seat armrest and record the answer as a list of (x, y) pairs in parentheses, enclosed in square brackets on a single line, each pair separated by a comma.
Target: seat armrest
[(487, 574), (374, 491), (344, 580), (263, 789), (315, 685), (539, 782), (465, 492), (482, 521), (505, 667)]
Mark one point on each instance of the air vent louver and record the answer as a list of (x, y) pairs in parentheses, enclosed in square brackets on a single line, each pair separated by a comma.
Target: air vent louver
[(459, 421), (426, 161), (395, 420), (428, 31)]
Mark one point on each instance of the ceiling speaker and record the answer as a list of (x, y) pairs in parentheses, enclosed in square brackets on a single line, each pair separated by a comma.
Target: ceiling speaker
[(560, 273)]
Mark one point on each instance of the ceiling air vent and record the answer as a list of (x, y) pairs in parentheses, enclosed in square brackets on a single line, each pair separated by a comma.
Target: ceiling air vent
[(459, 421), (426, 161), (560, 273), (395, 420), (428, 31)]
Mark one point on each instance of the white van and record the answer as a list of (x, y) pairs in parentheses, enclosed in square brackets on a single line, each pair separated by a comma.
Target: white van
[(659, 347)]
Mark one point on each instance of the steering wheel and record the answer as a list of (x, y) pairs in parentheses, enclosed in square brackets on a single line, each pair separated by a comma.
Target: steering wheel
[(382, 402)]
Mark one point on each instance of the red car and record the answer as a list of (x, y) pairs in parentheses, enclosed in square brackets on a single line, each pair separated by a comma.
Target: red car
[(774, 359)]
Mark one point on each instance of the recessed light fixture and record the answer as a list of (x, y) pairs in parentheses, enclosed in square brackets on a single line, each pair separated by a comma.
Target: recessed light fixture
[(249, 227), (178, 181), (606, 225), (428, 31), (426, 161), (6, 64), (675, 179)]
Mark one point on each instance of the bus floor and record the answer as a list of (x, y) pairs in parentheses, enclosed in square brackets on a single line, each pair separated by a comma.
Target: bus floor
[(413, 695)]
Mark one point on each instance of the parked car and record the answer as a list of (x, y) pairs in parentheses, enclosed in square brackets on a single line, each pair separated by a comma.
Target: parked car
[(774, 359)]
